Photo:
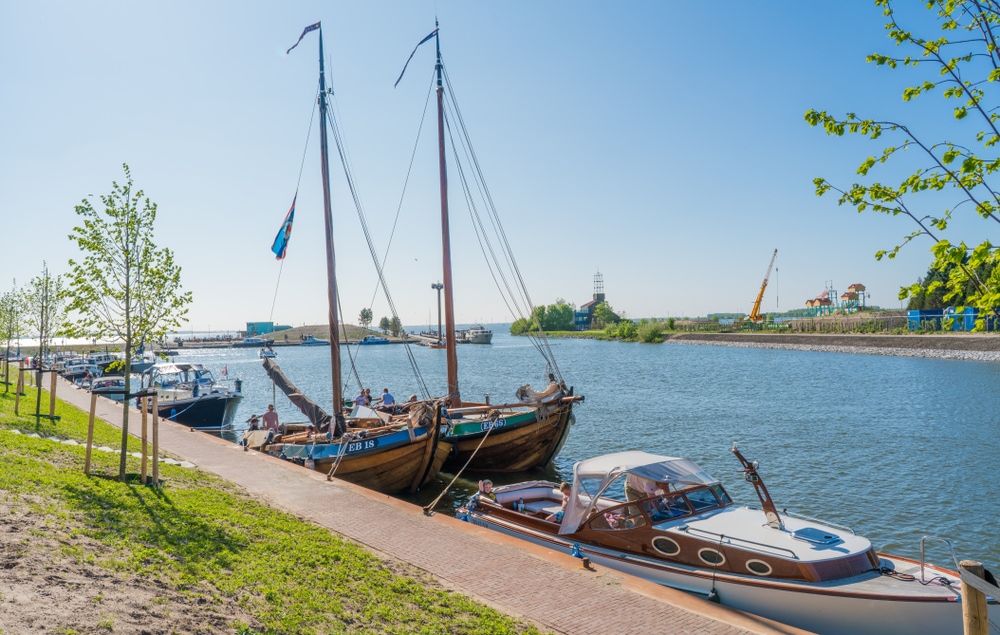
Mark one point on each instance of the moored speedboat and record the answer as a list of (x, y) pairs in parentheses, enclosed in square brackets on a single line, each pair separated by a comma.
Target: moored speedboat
[(678, 526), (373, 339), (189, 394), (109, 386)]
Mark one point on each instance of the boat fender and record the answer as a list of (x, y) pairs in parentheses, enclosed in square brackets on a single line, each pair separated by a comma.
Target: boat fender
[(576, 553), (713, 596)]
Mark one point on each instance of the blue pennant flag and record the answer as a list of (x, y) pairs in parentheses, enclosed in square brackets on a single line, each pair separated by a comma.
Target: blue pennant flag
[(280, 244), (311, 27), (432, 34)]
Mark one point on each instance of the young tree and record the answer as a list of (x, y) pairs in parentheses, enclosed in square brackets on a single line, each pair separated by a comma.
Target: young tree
[(125, 287), (952, 175), (366, 317), (46, 312), (12, 322), (396, 326), (384, 324), (604, 315)]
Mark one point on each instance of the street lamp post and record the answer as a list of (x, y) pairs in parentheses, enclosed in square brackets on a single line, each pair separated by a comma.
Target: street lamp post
[(438, 286)]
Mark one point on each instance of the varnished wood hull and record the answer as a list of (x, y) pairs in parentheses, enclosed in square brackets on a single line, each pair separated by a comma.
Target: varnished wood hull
[(527, 445), (399, 465)]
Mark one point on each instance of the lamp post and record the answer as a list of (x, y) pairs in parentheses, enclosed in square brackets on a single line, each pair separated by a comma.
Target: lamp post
[(438, 286)]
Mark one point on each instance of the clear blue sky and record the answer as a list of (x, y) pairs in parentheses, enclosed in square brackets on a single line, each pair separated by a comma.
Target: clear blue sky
[(660, 143)]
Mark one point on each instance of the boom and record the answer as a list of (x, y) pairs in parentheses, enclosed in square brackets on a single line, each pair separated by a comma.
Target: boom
[(755, 312)]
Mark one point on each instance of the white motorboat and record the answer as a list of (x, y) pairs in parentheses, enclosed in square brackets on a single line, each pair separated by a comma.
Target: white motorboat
[(309, 340), (476, 334), (677, 526), (189, 394)]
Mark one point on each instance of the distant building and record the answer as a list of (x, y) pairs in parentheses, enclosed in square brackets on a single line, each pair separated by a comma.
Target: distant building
[(255, 329), (583, 319)]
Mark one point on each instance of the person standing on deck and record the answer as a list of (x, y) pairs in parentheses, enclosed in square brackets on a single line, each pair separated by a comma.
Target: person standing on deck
[(270, 421)]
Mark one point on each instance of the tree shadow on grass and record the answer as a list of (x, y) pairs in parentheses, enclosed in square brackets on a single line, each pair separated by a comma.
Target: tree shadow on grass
[(146, 519)]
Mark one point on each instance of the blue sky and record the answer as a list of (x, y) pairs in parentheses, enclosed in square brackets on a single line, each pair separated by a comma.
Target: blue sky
[(662, 144)]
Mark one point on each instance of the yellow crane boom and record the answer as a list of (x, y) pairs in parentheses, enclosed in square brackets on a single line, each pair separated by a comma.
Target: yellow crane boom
[(755, 312)]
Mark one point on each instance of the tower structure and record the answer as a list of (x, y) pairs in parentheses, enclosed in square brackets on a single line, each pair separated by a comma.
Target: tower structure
[(598, 287)]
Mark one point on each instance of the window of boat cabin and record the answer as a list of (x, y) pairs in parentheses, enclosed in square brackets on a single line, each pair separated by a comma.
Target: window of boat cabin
[(701, 499), (722, 495), (627, 516), (666, 507)]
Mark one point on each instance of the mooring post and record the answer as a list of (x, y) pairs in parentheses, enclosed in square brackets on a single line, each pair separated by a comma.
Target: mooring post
[(156, 441), (19, 389), (975, 616), (52, 396), (90, 432), (142, 400)]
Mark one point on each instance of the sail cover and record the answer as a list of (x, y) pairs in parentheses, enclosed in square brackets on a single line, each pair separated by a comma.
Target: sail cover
[(316, 415)]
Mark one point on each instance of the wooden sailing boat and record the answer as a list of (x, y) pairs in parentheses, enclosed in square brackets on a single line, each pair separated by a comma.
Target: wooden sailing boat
[(389, 453), (510, 437)]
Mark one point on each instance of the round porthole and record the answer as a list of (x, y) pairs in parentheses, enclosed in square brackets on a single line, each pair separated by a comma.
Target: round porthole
[(711, 556), (759, 567), (666, 546)]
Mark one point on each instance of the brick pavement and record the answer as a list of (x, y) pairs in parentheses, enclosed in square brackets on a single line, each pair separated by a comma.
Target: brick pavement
[(546, 587)]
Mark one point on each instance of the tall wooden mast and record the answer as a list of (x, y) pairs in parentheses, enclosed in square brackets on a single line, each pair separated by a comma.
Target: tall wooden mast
[(449, 296), (331, 270)]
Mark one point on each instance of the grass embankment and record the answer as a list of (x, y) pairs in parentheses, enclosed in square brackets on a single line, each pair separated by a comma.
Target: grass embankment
[(201, 547)]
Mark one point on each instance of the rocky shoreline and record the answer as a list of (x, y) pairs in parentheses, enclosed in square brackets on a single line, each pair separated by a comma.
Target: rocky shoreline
[(966, 346)]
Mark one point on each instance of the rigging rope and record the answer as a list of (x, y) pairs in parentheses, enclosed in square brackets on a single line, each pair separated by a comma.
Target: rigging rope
[(541, 343), (335, 129), (298, 183)]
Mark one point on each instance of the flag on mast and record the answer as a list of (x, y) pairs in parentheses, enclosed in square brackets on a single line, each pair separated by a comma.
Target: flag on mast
[(280, 244), (311, 27), (429, 36)]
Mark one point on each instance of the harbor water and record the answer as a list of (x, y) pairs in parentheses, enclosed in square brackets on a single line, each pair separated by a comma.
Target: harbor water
[(894, 447)]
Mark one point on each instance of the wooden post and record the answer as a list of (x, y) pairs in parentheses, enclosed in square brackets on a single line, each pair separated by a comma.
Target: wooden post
[(144, 446), (975, 616), (19, 389), (156, 441), (52, 396), (90, 432)]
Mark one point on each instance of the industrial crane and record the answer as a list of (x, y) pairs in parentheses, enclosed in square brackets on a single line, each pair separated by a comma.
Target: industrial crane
[(755, 315)]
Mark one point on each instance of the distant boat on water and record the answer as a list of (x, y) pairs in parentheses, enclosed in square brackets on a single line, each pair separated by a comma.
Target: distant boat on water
[(309, 340), (373, 339), (475, 334), (252, 342)]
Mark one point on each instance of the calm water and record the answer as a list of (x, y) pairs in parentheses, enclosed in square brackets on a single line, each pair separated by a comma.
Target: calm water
[(894, 447)]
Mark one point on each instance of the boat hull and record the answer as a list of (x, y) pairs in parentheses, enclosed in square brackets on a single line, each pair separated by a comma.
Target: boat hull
[(524, 441), (214, 411), (393, 463), (833, 608)]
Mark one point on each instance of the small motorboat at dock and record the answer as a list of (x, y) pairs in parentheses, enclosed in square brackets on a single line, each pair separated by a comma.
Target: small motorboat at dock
[(677, 526)]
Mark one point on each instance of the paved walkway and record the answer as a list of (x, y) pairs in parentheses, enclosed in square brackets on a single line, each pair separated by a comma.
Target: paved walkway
[(546, 587)]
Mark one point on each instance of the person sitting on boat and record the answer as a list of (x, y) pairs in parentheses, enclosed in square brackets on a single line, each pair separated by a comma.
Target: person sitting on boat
[(387, 398), (557, 517), (361, 400), (638, 488), (254, 425), (270, 421), (486, 489)]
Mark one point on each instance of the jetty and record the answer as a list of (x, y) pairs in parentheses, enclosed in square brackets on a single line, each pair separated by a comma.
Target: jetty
[(548, 588)]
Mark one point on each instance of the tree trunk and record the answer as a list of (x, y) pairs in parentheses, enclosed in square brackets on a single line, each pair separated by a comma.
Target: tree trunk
[(125, 408)]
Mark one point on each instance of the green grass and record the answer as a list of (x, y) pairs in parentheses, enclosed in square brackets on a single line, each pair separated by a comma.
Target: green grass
[(208, 540)]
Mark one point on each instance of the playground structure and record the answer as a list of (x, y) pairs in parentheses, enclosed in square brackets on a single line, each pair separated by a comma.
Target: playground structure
[(829, 303)]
